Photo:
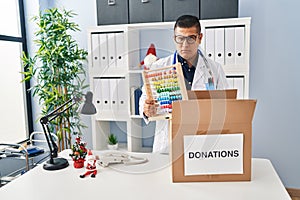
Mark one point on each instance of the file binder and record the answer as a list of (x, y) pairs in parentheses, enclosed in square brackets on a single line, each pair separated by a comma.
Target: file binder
[(239, 85), (210, 43), (132, 100), (219, 45), (98, 94), (111, 50), (239, 45), (105, 93), (122, 94), (113, 90), (120, 49), (230, 82), (236, 82), (229, 46), (95, 52), (103, 52)]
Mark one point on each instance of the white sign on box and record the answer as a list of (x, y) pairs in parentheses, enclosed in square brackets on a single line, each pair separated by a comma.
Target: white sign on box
[(213, 154)]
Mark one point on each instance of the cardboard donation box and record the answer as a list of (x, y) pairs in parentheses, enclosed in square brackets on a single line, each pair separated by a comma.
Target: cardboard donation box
[(211, 140)]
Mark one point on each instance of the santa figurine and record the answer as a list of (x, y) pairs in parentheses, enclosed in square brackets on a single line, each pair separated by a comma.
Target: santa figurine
[(91, 165), (149, 58)]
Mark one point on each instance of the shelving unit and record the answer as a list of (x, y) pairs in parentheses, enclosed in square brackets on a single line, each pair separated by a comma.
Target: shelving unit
[(115, 52)]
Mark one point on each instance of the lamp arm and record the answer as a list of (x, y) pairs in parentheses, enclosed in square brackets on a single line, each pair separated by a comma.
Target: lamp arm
[(48, 118), (56, 111), (61, 112)]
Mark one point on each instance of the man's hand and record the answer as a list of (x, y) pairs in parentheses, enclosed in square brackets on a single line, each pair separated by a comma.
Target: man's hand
[(149, 107)]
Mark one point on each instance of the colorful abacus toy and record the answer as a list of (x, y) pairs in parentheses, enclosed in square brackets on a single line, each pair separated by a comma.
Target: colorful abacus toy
[(165, 85)]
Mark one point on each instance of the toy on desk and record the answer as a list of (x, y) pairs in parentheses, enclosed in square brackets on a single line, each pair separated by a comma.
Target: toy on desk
[(118, 158), (91, 165), (79, 152), (149, 58), (165, 85)]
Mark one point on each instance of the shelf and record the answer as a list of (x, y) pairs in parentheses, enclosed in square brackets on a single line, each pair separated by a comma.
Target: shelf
[(136, 117), (112, 119), (137, 71), (114, 75)]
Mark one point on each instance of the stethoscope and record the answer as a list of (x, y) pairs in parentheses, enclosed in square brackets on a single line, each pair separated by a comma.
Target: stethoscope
[(210, 80)]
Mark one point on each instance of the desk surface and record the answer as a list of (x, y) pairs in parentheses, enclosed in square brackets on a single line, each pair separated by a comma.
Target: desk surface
[(151, 180)]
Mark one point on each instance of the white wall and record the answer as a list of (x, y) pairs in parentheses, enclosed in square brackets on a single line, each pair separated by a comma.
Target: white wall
[(274, 82)]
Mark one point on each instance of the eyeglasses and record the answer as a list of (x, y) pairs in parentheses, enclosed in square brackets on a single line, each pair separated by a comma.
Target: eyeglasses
[(191, 39)]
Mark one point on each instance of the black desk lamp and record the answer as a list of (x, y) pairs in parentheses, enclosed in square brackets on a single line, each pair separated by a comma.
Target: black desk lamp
[(88, 108)]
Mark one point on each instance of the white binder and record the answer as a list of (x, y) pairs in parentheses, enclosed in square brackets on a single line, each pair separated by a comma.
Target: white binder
[(111, 50), (230, 83), (219, 45), (113, 90), (229, 46), (132, 100), (105, 93), (97, 98), (103, 52), (210, 43), (239, 85), (239, 45), (95, 52), (120, 49), (122, 94)]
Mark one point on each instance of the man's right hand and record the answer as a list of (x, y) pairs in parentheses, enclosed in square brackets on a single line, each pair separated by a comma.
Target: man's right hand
[(149, 107)]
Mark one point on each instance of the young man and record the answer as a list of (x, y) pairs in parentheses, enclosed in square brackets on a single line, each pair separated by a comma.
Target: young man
[(200, 73)]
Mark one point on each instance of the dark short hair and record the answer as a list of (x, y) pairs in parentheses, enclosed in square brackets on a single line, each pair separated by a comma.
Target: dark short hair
[(188, 21)]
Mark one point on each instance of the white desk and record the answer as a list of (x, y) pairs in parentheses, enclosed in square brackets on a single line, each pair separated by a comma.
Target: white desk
[(151, 180)]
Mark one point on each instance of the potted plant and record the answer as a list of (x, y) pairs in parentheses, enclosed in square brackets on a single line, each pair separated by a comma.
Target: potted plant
[(57, 70), (79, 153), (112, 142)]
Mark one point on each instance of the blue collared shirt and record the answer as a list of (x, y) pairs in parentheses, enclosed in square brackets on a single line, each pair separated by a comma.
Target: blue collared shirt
[(188, 72)]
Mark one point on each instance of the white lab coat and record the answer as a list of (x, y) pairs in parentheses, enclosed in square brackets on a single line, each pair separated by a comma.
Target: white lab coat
[(161, 137)]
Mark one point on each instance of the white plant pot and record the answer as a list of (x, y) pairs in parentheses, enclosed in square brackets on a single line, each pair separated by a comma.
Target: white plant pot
[(112, 147)]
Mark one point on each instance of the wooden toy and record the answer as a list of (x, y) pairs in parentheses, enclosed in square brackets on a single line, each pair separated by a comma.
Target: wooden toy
[(165, 85)]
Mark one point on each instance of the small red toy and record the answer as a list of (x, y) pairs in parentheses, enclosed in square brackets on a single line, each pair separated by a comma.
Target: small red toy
[(91, 165), (149, 58)]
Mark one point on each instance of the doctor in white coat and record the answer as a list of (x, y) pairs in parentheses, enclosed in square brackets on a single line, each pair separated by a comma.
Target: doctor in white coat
[(200, 73)]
